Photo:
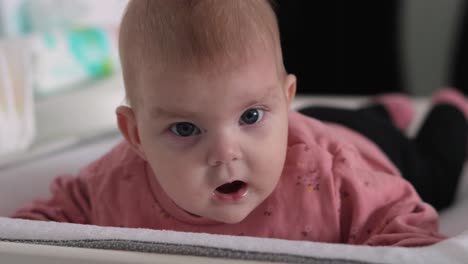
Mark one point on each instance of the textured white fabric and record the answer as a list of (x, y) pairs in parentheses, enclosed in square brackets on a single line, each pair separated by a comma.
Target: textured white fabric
[(453, 250)]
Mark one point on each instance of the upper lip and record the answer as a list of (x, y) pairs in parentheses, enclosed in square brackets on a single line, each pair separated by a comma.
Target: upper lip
[(227, 182), (219, 183)]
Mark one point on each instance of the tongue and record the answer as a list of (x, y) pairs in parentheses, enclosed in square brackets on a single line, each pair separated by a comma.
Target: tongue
[(230, 187)]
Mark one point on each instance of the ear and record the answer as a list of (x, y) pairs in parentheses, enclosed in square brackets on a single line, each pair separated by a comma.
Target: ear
[(290, 88), (128, 127)]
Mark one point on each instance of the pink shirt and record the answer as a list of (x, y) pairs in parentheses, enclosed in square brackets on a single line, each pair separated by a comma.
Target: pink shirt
[(336, 187)]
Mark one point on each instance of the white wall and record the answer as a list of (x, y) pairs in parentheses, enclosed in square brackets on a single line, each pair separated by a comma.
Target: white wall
[(47, 14), (7, 20)]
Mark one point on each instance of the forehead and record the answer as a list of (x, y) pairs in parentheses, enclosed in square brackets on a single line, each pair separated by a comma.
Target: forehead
[(192, 90)]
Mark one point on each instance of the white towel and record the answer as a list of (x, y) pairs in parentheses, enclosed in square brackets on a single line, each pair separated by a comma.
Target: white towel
[(453, 250)]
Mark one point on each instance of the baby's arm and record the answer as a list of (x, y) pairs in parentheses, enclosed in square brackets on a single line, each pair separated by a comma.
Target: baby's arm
[(69, 203), (379, 208)]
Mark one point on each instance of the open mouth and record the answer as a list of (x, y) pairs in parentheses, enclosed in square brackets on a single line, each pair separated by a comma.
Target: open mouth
[(231, 187), (230, 192)]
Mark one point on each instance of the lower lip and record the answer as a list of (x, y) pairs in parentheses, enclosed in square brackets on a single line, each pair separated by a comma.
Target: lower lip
[(231, 197)]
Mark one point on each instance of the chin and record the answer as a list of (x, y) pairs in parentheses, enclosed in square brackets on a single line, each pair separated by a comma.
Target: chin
[(232, 221), (232, 218)]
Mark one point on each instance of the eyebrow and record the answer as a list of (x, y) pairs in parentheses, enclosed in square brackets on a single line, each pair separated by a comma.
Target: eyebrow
[(158, 112), (269, 94)]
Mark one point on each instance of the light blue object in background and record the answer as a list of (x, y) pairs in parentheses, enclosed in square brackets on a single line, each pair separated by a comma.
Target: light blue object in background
[(91, 48), (21, 17), (72, 41), (67, 59)]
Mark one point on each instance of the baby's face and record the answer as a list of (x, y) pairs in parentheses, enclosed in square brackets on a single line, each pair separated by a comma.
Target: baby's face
[(217, 143)]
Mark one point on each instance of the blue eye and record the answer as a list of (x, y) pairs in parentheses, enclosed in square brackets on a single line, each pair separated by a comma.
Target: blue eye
[(251, 116), (185, 129)]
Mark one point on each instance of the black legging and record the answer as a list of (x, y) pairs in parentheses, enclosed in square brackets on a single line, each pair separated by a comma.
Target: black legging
[(432, 161)]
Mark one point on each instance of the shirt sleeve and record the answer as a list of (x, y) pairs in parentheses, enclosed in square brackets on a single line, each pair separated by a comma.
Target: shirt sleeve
[(69, 203), (377, 207)]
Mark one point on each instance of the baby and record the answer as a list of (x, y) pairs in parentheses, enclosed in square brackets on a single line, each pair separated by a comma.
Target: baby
[(212, 146)]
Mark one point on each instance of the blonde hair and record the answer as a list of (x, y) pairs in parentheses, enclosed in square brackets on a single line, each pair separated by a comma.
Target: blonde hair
[(206, 35)]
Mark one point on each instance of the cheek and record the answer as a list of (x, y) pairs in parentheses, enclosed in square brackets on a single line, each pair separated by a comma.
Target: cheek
[(176, 175), (175, 164), (170, 164), (267, 149)]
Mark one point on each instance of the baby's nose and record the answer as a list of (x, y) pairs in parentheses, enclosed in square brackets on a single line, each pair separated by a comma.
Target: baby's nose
[(224, 150)]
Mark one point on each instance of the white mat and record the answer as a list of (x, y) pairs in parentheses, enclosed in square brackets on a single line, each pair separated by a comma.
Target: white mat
[(454, 250)]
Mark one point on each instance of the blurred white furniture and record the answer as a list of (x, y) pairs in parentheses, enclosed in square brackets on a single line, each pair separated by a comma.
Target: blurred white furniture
[(71, 117), (17, 129)]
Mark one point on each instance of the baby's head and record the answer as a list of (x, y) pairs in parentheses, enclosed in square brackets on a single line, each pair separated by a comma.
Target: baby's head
[(209, 100)]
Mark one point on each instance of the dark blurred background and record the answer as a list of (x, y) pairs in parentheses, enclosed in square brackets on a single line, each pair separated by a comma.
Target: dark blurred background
[(344, 47)]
